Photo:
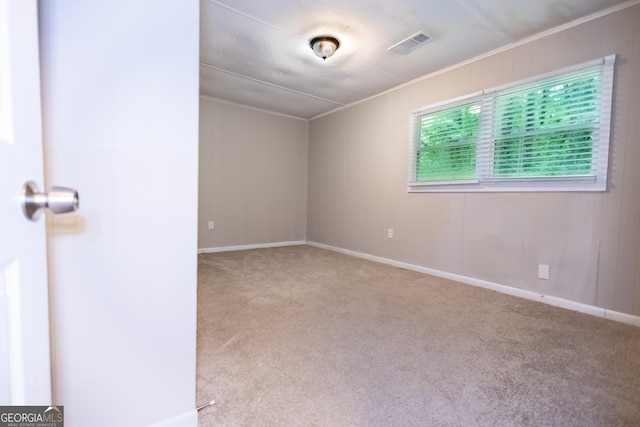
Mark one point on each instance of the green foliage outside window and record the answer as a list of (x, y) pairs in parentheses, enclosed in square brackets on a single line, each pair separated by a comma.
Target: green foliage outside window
[(546, 131), (447, 148)]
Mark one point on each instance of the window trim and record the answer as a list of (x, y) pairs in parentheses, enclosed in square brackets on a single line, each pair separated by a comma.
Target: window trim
[(537, 184)]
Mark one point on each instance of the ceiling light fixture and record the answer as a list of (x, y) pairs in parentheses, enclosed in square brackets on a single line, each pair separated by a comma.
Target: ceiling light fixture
[(324, 46)]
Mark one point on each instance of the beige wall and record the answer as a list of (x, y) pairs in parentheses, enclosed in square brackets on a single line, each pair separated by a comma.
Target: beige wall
[(253, 176), (358, 159)]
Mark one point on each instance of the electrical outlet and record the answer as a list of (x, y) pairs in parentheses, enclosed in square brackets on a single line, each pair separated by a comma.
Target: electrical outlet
[(390, 233), (543, 271), (210, 225)]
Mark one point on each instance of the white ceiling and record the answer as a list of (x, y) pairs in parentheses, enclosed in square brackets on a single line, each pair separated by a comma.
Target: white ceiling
[(257, 53)]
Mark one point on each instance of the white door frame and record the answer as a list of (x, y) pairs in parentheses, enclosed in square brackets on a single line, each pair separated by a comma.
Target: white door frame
[(25, 363)]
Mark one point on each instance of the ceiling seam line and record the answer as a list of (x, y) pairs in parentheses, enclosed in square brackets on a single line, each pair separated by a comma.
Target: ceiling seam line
[(308, 95), (253, 18), (249, 107)]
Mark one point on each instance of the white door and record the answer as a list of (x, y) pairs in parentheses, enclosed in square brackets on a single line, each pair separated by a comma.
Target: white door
[(25, 368)]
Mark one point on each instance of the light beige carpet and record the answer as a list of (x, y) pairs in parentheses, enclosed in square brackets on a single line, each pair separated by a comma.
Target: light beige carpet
[(300, 336)]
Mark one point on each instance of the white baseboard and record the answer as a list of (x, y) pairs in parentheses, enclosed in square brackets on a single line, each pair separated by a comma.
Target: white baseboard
[(547, 299), (245, 247), (188, 419)]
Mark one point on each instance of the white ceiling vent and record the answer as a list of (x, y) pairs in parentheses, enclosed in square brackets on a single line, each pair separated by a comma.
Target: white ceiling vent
[(410, 43)]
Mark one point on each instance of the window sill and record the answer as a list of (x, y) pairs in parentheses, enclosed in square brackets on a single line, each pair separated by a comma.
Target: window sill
[(529, 185)]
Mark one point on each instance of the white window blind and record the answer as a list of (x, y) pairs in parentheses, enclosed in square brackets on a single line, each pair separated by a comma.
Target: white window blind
[(547, 134)]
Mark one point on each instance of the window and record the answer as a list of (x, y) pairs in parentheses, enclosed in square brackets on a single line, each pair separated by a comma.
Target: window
[(546, 134)]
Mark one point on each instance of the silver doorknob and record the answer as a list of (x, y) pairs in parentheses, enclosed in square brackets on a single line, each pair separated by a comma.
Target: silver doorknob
[(58, 200)]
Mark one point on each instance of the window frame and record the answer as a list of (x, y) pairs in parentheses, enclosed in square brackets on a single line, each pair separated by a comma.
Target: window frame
[(484, 181)]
